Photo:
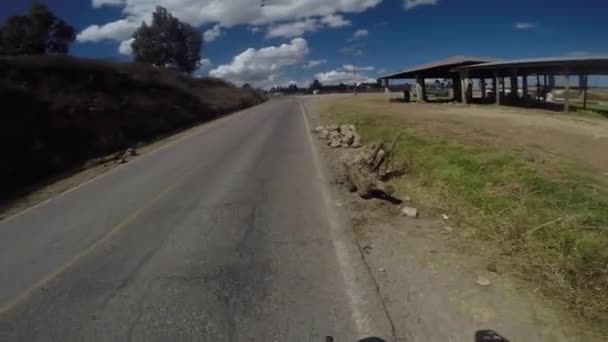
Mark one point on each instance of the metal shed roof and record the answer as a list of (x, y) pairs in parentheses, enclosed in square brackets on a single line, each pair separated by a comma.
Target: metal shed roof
[(438, 69), (597, 65)]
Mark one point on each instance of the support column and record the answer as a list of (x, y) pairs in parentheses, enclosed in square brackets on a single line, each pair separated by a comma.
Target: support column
[(585, 85), (566, 100), (524, 86), (545, 89), (482, 85), (419, 89), (503, 91), (463, 86), (495, 82), (514, 87), (537, 87), (457, 89)]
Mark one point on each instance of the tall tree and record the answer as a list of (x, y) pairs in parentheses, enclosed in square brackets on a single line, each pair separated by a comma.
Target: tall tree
[(167, 42), (38, 32)]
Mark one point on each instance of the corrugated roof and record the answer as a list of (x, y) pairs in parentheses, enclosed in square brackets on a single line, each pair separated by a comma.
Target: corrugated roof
[(449, 63)]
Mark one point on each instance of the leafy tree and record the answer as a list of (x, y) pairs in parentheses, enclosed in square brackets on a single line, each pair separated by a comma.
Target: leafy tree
[(168, 43), (39, 32), (316, 85)]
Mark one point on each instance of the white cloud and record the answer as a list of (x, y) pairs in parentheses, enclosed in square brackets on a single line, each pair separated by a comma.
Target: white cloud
[(522, 25), (225, 13), (264, 66), (212, 33), (341, 76), (409, 4), (119, 30), (335, 21), (314, 63), (205, 63), (125, 47), (346, 75), (295, 29), (350, 68), (101, 3), (360, 34)]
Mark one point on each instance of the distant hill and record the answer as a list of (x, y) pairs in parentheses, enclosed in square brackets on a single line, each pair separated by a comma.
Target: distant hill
[(58, 111)]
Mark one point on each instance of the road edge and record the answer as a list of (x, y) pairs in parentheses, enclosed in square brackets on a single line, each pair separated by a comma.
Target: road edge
[(367, 307)]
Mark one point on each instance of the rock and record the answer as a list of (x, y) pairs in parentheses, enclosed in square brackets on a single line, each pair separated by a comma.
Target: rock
[(492, 267), (324, 134), (332, 128), (348, 138), (407, 199), (333, 135), (344, 129), (409, 211), (382, 269), (448, 229), (335, 144), (319, 129), (366, 249), (132, 152), (482, 281), (445, 217)]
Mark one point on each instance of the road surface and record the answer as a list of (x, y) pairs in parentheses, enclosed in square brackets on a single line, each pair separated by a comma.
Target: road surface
[(225, 235)]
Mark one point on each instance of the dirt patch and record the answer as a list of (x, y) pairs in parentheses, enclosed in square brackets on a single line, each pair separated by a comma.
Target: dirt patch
[(434, 286)]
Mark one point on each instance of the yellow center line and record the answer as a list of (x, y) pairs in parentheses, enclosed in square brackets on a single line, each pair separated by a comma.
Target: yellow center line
[(89, 250)]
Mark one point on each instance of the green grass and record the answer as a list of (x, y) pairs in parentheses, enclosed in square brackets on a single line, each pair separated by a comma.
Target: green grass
[(550, 227)]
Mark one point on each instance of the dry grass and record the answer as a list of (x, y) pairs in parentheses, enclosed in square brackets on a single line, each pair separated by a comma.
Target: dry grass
[(551, 231), (60, 111)]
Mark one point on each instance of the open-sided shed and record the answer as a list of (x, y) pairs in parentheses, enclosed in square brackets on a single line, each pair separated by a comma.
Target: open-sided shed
[(445, 68), (544, 69)]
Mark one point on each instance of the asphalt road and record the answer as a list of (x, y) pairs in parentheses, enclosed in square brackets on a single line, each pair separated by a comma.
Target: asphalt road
[(225, 235)]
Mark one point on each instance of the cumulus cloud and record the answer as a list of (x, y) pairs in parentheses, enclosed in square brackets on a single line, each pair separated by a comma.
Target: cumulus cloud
[(119, 30), (522, 25), (212, 33), (314, 63), (205, 63), (409, 4), (360, 34), (262, 66), (350, 67), (295, 29), (335, 21), (345, 75), (225, 13), (125, 47), (341, 76)]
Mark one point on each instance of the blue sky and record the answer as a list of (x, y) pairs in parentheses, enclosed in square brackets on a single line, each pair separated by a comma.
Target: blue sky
[(298, 40)]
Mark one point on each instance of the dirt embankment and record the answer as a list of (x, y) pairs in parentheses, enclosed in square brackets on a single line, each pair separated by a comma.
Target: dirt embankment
[(58, 112)]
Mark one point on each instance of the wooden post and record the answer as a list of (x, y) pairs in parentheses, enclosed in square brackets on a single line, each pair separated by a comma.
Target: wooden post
[(495, 88), (524, 86), (483, 87)]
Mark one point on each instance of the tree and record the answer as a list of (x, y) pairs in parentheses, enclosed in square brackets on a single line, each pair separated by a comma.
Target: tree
[(316, 85), (168, 43), (39, 32)]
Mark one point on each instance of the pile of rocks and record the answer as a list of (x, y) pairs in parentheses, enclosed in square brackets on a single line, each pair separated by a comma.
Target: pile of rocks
[(340, 135)]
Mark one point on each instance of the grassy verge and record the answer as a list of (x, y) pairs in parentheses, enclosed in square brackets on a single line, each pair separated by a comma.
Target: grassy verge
[(550, 228)]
